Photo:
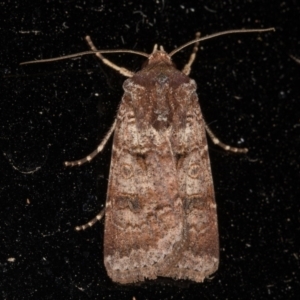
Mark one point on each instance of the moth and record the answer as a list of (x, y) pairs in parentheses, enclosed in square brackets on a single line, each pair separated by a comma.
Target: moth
[(160, 213)]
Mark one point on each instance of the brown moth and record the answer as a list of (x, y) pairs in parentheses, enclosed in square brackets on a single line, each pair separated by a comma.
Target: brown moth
[(160, 214)]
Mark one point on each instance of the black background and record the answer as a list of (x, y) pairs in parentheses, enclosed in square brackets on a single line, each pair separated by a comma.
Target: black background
[(248, 87)]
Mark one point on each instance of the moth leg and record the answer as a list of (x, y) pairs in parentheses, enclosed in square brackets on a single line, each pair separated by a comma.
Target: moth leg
[(187, 68), (121, 70), (216, 141), (95, 152), (91, 222), (297, 60)]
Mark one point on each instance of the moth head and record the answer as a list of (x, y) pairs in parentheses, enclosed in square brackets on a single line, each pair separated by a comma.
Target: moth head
[(159, 56)]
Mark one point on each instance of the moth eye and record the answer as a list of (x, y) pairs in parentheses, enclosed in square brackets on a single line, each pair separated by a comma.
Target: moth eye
[(126, 171), (194, 170)]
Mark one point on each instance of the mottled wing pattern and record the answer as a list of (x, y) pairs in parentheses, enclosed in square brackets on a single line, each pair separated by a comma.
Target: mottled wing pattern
[(144, 218), (160, 212), (200, 257)]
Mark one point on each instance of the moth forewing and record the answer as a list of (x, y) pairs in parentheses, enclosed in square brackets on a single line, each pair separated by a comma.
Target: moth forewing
[(160, 213)]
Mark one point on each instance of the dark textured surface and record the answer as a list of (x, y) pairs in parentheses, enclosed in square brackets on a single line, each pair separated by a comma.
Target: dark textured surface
[(248, 87)]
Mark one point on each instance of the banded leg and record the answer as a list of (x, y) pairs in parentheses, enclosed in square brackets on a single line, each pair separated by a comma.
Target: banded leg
[(187, 68), (126, 73), (216, 141), (121, 70), (297, 60), (95, 152), (91, 222)]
